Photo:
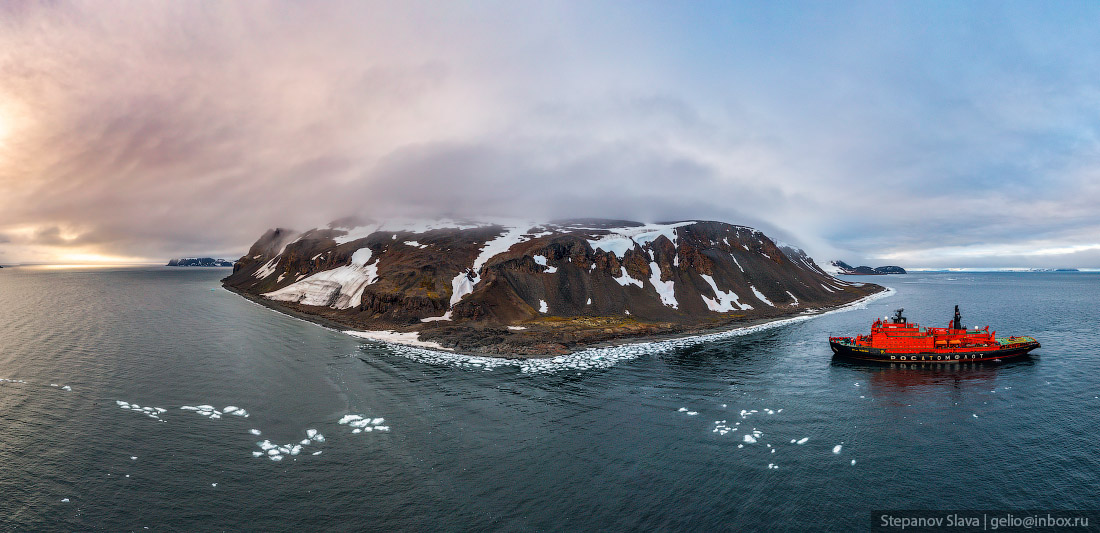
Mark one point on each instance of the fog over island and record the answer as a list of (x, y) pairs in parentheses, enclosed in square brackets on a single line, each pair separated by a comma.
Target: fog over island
[(922, 135)]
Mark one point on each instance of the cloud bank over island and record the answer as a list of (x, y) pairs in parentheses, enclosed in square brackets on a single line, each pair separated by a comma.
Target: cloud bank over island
[(922, 135)]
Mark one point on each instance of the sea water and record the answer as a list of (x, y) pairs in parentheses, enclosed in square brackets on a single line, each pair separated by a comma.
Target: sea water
[(135, 398)]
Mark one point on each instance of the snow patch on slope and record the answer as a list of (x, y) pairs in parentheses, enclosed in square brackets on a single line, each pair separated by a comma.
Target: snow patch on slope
[(446, 316), (621, 240), (624, 279), (340, 288), (736, 262), (411, 338), (725, 302), (266, 270), (541, 260), (760, 296), (665, 289), (464, 282)]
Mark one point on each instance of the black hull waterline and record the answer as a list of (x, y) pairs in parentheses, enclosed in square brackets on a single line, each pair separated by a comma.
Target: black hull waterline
[(880, 355)]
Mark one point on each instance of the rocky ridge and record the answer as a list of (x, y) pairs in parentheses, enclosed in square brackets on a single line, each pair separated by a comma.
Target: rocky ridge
[(523, 289)]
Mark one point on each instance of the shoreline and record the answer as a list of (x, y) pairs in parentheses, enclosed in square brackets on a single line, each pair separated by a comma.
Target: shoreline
[(407, 346)]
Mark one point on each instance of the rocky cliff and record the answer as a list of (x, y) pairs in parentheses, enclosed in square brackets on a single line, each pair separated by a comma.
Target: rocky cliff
[(535, 289)]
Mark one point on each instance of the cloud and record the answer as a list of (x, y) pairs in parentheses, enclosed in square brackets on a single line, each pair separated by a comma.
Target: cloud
[(861, 132)]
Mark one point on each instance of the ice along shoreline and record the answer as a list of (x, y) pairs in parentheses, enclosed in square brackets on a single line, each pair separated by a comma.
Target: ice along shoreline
[(597, 356)]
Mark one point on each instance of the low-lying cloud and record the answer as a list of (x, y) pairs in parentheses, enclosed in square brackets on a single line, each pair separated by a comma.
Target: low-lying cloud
[(146, 131)]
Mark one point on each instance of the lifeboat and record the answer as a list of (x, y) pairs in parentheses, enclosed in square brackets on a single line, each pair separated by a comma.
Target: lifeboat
[(895, 340)]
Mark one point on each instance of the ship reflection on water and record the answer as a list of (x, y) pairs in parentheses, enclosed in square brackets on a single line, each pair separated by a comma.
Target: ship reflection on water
[(885, 379)]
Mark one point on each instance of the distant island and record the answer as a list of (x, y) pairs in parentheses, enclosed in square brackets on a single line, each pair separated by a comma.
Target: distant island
[(534, 290), (844, 268), (199, 262)]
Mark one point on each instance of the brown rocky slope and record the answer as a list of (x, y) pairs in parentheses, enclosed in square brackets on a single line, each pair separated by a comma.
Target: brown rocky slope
[(514, 289)]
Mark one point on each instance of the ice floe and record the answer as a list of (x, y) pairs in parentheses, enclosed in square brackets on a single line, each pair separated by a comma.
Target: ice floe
[(151, 412), (235, 411), (590, 358), (836, 449), (721, 428), (360, 423), (277, 452), (209, 411)]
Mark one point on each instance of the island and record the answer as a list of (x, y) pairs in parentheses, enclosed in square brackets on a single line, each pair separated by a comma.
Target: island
[(199, 262), (534, 289), (840, 267)]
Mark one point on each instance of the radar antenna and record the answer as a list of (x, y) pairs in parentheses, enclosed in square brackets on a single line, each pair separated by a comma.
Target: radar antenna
[(898, 318)]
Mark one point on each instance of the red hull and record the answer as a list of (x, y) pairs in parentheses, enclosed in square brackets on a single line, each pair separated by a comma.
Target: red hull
[(896, 340)]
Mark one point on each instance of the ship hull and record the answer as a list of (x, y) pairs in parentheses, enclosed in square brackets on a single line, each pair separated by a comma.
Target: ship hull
[(879, 355)]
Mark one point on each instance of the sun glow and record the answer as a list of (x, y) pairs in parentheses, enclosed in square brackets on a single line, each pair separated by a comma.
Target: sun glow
[(99, 259)]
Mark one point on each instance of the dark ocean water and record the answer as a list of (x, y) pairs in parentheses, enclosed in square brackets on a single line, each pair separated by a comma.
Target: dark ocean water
[(503, 449)]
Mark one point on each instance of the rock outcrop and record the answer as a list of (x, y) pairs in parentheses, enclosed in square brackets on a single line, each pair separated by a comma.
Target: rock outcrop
[(535, 289)]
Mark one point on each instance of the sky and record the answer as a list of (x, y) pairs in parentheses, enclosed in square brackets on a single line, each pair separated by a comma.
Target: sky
[(921, 134)]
